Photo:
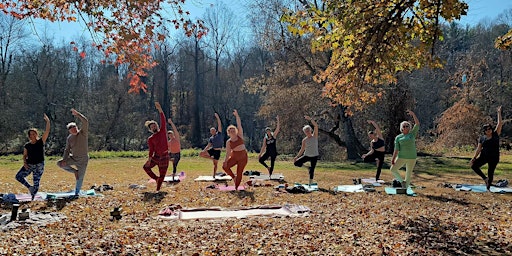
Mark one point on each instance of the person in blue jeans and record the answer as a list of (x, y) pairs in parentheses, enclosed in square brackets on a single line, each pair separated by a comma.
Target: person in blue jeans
[(33, 158), (76, 152)]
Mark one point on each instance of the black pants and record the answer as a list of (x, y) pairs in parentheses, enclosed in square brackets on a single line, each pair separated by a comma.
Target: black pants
[(264, 158), (371, 158), (491, 163), (311, 159)]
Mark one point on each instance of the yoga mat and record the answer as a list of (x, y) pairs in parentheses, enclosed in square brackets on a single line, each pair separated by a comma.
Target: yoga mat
[(275, 176), (40, 196), (393, 191), (481, 188), (229, 188), (178, 177), (82, 193), (375, 183), (210, 178), (216, 212), (349, 188), (310, 188)]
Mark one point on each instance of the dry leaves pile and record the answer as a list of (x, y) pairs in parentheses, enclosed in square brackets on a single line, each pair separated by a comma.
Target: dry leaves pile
[(439, 221)]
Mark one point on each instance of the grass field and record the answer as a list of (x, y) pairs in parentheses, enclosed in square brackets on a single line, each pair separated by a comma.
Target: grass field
[(439, 221)]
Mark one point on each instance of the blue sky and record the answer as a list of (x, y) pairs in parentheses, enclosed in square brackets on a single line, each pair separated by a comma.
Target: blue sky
[(479, 10), (484, 9)]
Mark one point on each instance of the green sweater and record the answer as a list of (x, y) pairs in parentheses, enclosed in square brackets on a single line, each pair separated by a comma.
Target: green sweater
[(406, 144)]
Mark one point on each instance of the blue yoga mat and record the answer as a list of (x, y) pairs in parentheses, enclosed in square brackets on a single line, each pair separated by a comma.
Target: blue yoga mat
[(481, 188)]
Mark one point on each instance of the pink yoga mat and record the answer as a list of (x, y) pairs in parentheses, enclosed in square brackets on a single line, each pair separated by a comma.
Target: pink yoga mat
[(230, 188)]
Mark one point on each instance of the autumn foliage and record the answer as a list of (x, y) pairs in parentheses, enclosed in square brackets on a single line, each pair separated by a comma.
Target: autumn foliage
[(372, 41), (125, 31)]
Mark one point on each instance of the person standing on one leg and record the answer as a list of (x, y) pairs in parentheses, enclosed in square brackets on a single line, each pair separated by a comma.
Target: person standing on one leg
[(488, 151), (377, 148), (158, 148), (236, 153), (309, 149), (33, 158), (215, 144), (174, 147), (268, 148), (405, 150), (76, 151)]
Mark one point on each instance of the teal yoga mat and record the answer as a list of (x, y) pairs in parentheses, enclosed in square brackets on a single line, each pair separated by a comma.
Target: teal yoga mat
[(395, 191), (82, 193)]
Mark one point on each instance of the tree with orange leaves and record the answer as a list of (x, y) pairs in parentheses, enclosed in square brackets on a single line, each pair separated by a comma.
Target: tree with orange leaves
[(125, 31)]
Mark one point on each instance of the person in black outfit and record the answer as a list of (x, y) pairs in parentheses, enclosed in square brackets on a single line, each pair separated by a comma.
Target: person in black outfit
[(377, 148), (488, 151), (268, 148)]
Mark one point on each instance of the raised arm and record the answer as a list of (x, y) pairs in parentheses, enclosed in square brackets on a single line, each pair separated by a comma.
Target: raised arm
[(500, 122), (377, 128), (238, 124), (219, 124), (83, 119), (174, 129), (278, 127), (47, 130), (315, 125), (416, 121)]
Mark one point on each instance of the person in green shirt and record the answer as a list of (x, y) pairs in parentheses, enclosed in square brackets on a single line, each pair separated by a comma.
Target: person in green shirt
[(405, 150)]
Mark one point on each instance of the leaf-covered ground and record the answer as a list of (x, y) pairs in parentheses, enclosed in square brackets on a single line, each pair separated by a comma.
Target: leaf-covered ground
[(438, 221)]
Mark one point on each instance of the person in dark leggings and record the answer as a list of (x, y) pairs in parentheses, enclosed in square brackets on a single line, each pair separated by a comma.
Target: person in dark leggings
[(309, 149), (268, 148), (488, 151), (377, 148), (33, 158)]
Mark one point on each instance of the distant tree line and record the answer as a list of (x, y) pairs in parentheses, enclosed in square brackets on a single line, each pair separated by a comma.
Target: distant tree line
[(262, 72)]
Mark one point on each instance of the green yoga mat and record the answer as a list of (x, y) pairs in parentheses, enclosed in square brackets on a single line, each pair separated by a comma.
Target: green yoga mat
[(396, 191), (82, 193)]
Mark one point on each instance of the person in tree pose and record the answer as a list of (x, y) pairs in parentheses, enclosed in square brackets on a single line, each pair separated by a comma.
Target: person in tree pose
[(76, 152), (236, 153), (405, 150), (158, 148), (377, 148), (174, 147), (215, 143), (488, 151), (268, 148), (33, 158), (309, 149)]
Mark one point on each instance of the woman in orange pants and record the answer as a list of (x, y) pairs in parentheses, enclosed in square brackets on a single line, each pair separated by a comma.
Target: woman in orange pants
[(236, 153)]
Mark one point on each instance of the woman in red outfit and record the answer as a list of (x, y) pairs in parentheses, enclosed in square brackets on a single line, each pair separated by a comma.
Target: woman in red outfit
[(236, 154)]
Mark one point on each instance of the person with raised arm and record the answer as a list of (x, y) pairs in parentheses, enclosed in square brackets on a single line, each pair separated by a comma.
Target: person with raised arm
[(309, 148), (158, 148), (33, 158), (174, 146), (377, 148), (215, 143), (268, 148), (405, 150), (488, 151), (236, 153), (76, 152)]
